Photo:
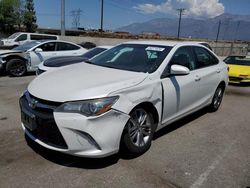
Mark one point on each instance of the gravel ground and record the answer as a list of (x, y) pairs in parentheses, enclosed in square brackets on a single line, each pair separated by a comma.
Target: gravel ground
[(202, 150)]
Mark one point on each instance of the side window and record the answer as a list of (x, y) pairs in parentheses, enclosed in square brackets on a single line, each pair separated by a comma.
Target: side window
[(204, 58), (183, 56), (36, 37), (21, 38), (62, 46), (48, 47)]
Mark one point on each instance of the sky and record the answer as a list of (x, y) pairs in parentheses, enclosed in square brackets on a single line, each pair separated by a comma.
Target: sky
[(119, 13)]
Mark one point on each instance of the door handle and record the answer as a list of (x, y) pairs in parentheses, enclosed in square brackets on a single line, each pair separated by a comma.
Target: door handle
[(218, 70), (197, 78)]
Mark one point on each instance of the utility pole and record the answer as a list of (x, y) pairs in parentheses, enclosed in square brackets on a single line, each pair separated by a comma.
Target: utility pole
[(218, 32), (62, 17), (76, 15), (101, 15), (179, 26)]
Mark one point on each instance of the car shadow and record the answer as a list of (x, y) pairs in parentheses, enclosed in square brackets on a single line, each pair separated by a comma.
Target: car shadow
[(98, 163), (179, 123), (70, 160), (4, 74), (240, 84)]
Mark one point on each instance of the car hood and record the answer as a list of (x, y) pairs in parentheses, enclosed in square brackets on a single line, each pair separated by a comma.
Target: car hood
[(239, 69), (5, 52), (82, 81), (63, 61)]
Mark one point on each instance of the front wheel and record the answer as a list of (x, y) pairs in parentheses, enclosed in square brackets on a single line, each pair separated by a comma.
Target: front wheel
[(139, 132), (16, 67), (217, 99)]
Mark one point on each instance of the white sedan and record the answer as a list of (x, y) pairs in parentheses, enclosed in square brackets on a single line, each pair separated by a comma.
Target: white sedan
[(122, 97), (27, 57), (55, 62)]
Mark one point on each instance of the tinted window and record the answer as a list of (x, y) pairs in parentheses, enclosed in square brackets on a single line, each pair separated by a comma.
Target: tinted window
[(93, 52), (42, 37), (204, 58), (132, 57), (62, 46), (238, 60), (47, 47), (183, 56), (21, 37)]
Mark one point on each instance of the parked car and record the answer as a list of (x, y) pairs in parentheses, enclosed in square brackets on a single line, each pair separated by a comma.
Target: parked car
[(239, 69), (88, 45), (27, 57), (55, 62), (122, 97), (20, 38)]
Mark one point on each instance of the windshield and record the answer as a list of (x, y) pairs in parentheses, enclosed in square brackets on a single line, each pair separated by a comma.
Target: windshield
[(133, 57), (13, 35), (238, 60), (93, 52), (27, 46)]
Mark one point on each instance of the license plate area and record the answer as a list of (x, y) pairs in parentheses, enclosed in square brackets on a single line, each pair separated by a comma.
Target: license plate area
[(29, 120)]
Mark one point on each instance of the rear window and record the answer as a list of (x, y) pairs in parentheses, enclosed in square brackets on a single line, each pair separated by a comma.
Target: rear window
[(93, 52), (238, 60), (63, 46)]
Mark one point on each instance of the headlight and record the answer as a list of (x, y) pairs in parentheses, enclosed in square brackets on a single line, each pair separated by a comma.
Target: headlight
[(92, 107)]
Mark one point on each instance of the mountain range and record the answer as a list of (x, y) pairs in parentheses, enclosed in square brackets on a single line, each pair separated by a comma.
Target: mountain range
[(232, 27)]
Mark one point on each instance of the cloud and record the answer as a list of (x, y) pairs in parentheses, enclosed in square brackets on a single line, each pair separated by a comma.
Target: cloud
[(194, 8)]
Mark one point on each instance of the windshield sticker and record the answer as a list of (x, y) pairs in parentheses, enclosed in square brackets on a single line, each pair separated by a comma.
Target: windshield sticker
[(158, 49)]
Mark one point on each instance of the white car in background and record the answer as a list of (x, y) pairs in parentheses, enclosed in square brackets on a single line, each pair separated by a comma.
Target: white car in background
[(20, 38), (27, 57), (55, 62), (122, 97)]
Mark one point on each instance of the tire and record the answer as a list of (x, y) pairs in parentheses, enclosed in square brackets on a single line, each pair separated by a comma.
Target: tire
[(217, 98), (138, 132), (16, 67)]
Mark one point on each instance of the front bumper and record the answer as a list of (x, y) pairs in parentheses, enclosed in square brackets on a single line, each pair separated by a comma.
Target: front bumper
[(238, 79), (76, 134)]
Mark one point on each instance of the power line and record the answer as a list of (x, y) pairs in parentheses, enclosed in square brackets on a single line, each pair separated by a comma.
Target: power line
[(180, 10)]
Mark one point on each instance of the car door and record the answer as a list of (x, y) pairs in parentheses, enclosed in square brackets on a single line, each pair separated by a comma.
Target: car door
[(42, 53), (208, 73), (179, 92), (67, 49)]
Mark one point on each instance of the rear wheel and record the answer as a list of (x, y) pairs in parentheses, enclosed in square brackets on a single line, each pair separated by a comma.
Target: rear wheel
[(218, 95), (16, 67), (139, 132)]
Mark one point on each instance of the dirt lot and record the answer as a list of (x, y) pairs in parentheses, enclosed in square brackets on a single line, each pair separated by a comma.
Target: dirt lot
[(202, 150)]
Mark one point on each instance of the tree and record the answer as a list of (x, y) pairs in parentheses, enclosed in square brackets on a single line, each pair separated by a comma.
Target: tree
[(9, 16), (29, 19)]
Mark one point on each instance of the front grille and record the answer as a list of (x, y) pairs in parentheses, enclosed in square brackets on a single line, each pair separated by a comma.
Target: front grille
[(236, 79), (46, 129)]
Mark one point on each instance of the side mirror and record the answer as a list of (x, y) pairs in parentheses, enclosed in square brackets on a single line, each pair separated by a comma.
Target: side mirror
[(38, 50), (179, 70)]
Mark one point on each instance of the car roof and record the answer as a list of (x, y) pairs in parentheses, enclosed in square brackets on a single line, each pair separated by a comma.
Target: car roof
[(164, 42)]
